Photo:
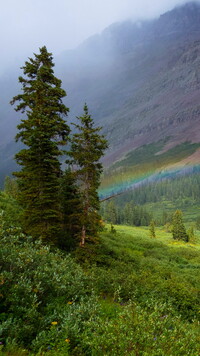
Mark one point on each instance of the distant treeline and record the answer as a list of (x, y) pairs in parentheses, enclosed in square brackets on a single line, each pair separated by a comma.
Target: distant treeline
[(130, 214), (128, 208), (182, 191)]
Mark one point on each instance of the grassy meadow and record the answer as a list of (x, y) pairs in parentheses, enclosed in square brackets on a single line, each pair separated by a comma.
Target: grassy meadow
[(130, 295), (190, 212)]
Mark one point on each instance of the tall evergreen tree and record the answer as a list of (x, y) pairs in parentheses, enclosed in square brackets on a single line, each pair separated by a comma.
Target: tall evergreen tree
[(152, 232), (43, 131), (70, 209), (87, 148), (111, 212), (178, 228)]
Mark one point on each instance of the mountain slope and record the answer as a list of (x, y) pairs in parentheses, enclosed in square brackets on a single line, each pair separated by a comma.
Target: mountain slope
[(150, 81), (141, 82)]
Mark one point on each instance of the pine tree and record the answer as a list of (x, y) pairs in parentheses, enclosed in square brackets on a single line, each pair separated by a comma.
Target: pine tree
[(178, 228), (152, 229), (70, 209), (43, 131), (129, 214), (87, 148), (111, 212)]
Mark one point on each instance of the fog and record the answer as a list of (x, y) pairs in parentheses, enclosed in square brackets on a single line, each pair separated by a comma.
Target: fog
[(26, 25)]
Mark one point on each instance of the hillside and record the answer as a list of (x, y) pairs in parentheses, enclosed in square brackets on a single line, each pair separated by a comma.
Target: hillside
[(141, 82), (148, 79), (129, 295)]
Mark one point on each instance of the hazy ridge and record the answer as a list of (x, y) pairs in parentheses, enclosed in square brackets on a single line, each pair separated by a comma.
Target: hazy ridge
[(141, 82)]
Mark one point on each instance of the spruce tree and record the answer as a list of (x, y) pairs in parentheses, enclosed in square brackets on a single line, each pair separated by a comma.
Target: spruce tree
[(87, 148), (111, 212), (178, 228), (152, 229), (42, 131), (70, 209)]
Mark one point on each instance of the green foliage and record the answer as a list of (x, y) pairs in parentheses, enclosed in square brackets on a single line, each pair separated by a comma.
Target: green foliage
[(154, 330), (11, 187), (178, 190), (141, 155), (152, 229), (123, 330), (168, 227), (111, 213), (145, 161), (178, 228), (135, 297), (129, 213), (70, 209), (191, 234), (42, 131), (141, 269), (112, 229), (10, 210), (164, 197), (87, 147), (198, 222), (38, 287)]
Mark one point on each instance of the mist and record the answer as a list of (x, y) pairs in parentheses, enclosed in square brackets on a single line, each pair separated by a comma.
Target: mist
[(27, 25)]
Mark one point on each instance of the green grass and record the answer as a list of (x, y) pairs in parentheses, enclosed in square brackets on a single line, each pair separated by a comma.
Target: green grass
[(133, 295), (146, 268), (130, 234), (149, 155), (190, 212)]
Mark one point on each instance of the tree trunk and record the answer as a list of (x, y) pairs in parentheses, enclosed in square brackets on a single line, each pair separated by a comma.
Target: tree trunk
[(82, 243)]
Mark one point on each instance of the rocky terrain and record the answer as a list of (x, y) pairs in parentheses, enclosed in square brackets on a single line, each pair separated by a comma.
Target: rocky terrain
[(140, 80)]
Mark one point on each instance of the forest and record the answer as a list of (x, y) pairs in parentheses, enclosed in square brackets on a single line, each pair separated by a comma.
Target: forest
[(85, 277), (157, 201)]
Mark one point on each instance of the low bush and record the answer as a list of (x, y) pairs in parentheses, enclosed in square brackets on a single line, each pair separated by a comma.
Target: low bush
[(38, 287), (126, 299), (141, 270)]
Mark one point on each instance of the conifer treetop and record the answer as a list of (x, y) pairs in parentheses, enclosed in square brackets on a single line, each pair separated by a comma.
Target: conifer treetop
[(43, 130)]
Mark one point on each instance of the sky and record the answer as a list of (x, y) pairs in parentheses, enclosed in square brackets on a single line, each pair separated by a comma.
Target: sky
[(26, 25)]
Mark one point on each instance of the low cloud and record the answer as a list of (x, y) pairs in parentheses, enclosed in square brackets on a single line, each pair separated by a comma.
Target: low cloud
[(27, 25)]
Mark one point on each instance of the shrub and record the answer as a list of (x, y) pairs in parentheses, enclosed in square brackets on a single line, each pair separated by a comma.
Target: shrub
[(35, 282)]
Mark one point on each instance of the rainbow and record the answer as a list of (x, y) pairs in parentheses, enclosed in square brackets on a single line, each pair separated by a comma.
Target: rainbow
[(123, 183)]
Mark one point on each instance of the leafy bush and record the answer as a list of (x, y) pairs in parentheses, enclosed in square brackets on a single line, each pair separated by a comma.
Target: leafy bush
[(51, 305), (37, 287), (141, 268), (10, 210), (136, 331)]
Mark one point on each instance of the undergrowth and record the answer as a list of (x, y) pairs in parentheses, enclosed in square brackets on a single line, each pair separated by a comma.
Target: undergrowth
[(132, 296)]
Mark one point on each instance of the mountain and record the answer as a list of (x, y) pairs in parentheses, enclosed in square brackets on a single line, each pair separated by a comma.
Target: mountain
[(140, 80), (148, 79)]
